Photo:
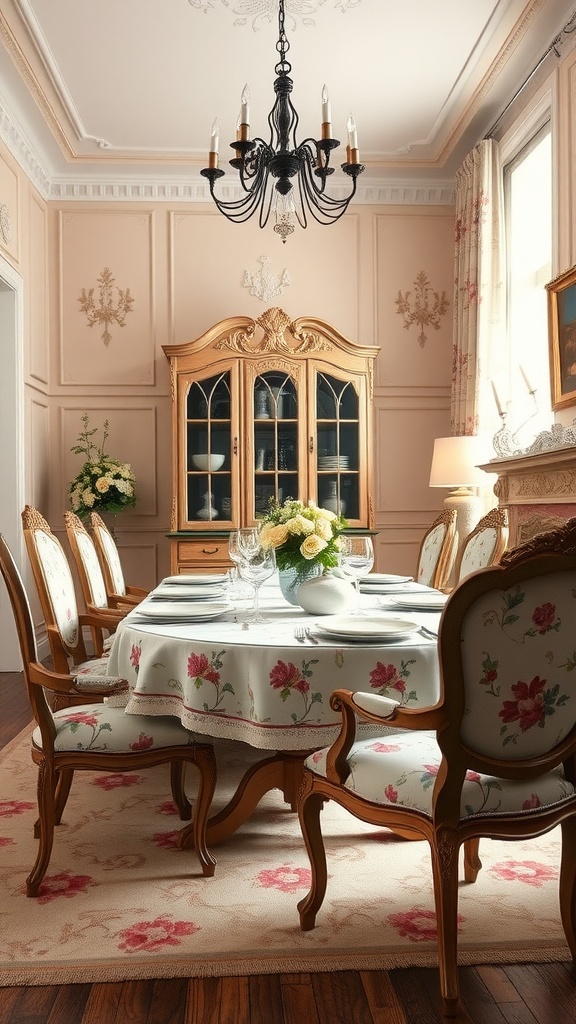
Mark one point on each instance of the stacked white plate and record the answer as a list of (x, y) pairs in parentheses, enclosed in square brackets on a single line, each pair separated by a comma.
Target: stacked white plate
[(426, 602), (195, 579), (363, 629), (384, 583), (333, 462), (172, 612)]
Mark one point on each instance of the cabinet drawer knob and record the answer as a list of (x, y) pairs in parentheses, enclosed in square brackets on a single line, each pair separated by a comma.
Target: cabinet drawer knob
[(210, 551)]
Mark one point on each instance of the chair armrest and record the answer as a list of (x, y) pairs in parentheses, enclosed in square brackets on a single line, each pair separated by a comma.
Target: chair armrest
[(371, 707), (56, 682), (137, 592), (102, 620), (127, 600)]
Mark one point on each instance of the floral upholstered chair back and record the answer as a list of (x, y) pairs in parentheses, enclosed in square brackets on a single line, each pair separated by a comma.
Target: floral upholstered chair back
[(516, 695), (110, 559), (485, 545), (89, 569), (437, 551), (53, 577)]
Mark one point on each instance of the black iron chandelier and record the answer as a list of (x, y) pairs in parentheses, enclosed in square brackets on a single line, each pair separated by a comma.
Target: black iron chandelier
[(283, 176)]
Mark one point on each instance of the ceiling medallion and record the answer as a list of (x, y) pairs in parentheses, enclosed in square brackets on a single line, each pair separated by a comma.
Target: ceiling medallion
[(283, 176), (259, 10)]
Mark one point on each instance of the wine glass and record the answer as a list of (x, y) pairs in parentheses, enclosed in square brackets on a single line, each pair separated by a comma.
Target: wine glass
[(357, 553), (256, 566), (242, 542)]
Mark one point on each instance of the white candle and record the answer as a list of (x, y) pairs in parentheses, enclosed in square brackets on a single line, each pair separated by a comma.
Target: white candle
[(245, 106), (497, 400), (352, 134), (326, 111), (214, 136), (527, 381)]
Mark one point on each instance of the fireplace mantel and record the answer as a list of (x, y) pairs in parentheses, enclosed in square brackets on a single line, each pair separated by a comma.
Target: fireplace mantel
[(539, 491)]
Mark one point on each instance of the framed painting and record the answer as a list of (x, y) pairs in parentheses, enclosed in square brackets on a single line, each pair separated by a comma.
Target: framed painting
[(562, 338)]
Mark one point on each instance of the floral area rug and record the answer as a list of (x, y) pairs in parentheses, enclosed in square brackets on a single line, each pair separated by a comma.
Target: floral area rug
[(121, 901)]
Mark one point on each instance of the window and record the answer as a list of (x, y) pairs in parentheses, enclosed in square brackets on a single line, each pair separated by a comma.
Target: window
[(528, 226)]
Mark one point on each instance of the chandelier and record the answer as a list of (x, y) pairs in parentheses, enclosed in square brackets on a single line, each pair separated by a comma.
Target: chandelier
[(283, 176)]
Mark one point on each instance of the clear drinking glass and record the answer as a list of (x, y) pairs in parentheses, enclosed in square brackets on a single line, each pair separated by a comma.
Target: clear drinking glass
[(255, 567), (242, 542), (358, 558)]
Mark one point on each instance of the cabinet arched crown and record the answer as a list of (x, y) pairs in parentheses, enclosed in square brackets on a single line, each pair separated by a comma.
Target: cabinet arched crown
[(266, 408)]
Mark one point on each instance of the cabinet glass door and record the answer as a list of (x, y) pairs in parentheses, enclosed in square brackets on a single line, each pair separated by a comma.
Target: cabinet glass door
[(275, 411), (208, 449), (337, 445)]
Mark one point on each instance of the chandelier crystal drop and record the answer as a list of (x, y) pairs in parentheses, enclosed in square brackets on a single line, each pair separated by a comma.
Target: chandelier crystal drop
[(282, 176)]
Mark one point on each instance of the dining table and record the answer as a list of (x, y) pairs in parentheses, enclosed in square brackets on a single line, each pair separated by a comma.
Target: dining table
[(189, 651)]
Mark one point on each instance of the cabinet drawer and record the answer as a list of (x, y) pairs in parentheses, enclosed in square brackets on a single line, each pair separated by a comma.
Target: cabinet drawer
[(203, 552)]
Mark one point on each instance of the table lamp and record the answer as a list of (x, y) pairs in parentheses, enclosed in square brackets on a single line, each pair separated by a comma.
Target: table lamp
[(455, 464)]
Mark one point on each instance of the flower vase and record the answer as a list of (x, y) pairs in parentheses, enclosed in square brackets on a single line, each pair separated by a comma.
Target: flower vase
[(327, 594), (292, 579)]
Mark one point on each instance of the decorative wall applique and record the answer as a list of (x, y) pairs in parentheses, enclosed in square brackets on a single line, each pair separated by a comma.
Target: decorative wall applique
[(5, 224), (422, 311), (265, 285), (106, 312)]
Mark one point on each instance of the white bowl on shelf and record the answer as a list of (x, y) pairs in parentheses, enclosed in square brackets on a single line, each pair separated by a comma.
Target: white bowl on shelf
[(208, 462)]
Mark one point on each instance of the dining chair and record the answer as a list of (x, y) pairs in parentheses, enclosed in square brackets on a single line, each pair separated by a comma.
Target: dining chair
[(64, 623), (495, 757), (98, 738), (89, 570), (116, 589), (485, 545), (438, 551)]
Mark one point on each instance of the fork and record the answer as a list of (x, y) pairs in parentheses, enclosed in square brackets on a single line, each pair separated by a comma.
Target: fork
[(300, 634)]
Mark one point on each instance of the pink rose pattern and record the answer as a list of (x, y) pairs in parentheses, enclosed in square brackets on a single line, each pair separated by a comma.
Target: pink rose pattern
[(150, 936), (64, 885), (530, 702), (530, 872), (388, 680), (207, 670), (285, 879), (135, 655), (289, 679), (418, 925), (10, 807), (116, 781)]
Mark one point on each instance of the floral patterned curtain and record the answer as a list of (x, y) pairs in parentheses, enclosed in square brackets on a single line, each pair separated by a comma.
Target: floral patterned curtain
[(478, 289)]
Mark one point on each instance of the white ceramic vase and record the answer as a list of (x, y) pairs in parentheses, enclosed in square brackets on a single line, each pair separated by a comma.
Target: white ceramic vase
[(328, 594)]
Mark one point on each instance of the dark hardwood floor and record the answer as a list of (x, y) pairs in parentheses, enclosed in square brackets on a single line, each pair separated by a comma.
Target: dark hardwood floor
[(523, 994)]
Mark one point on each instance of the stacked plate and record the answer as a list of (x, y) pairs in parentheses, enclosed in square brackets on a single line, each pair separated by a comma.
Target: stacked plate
[(425, 602), (384, 583), (167, 612), (363, 629), (333, 462)]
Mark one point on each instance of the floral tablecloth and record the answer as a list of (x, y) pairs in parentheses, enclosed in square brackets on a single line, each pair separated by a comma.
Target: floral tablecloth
[(260, 685)]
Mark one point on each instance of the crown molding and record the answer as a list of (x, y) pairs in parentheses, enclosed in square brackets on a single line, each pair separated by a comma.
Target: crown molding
[(89, 187)]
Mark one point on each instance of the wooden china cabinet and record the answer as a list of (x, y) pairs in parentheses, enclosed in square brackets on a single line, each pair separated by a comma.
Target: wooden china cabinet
[(266, 408)]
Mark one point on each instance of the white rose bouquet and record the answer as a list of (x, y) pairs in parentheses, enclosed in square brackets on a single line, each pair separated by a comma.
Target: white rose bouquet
[(302, 535), (103, 484)]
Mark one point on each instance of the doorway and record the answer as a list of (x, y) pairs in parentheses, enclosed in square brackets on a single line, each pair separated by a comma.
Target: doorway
[(11, 445)]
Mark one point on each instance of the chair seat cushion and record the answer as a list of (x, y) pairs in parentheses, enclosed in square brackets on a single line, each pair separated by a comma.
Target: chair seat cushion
[(93, 673), (400, 769), (98, 727)]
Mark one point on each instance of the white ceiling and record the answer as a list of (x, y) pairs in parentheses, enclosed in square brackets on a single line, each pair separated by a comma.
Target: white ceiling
[(126, 90)]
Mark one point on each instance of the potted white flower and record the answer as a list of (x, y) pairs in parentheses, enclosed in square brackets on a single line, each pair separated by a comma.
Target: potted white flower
[(104, 484)]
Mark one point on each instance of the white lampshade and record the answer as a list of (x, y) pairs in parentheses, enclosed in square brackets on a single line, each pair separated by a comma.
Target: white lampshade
[(455, 462)]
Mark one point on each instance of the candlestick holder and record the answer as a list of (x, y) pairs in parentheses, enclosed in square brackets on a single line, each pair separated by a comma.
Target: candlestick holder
[(505, 441)]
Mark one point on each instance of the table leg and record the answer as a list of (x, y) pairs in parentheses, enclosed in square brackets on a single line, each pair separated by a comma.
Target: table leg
[(281, 771)]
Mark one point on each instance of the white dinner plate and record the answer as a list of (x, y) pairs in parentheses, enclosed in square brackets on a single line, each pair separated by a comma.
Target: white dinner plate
[(381, 629), (378, 579), (178, 613), (422, 602), (172, 593), (195, 579)]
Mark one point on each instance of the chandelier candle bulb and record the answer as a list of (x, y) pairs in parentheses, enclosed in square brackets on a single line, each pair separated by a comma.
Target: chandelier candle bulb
[(531, 389), (497, 399), (214, 140), (352, 133), (245, 106), (326, 115)]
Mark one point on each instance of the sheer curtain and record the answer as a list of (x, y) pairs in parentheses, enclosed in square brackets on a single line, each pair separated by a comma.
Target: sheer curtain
[(479, 292)]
